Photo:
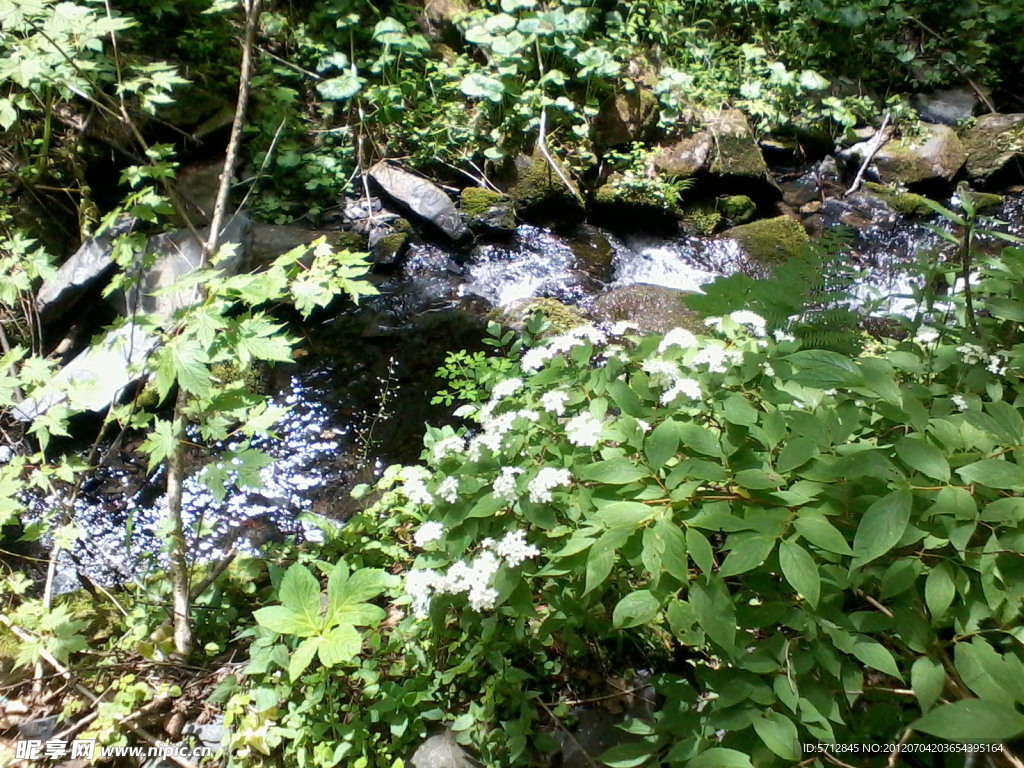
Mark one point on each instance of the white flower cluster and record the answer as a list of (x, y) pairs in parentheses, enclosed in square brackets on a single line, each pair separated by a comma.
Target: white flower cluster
[(996, 365), (753, 321), (677, 337), (472, 578), (449, 489), (972, 353), (584, 430), (505, 484), (535, 358), (514, 549), (449, 445), (428, 532), (554, 401), (960, 402), (414, 485), (718, 359), (781, 336), (505, 388), (547, 479)]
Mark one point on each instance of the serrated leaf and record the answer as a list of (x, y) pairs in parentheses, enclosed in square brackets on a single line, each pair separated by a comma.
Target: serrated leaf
[(160, 442), (284, 621), (302, 656), (800, 570), (971, 720), (340, 88), (341, 644), (300, 593), (635, 609), (882, 526)]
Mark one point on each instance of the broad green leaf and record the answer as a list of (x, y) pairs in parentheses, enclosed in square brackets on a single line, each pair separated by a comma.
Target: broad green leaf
[(720, 757), (617, 471), (714, 610), (625, 514), (778, 734), (602, 557), (971, 720), (796, 452), (284, 621), (693, 437), (927, 678), (300, 593), (821, 533), (757, 479), (340, 88), (876, 656), (800, 570), (924, 457), (635, 609), (629, 755), (939, 590), (699, 550), (748, 552), (661, 444), (479, 86), (159, 443), (882, 527), (995, 473), (302, 657), (341, 644), (823, 369)]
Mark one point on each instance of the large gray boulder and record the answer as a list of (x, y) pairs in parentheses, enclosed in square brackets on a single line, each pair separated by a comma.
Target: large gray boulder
[(948, 106), (995, 147), (935, 154), (420, 197)]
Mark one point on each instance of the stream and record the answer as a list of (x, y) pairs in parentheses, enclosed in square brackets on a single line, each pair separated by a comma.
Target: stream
[(359, 395)]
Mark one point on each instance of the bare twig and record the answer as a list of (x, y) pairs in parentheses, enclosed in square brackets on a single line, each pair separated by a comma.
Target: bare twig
[(876, 144), (542, 145)]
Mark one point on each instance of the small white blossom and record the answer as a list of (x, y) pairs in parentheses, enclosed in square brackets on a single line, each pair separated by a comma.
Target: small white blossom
[(548, 478), (428, 532), (621, 328), (584, 430), (713, 322), (645, 427), (589, 332), (514, 549), (528, 415), (752, 320), (717, 359), (414, 485), (926, 335), (487, 543), (996, 365), (677, 337), (663, 373), (685, 386), (419, 585), (554, 401), (505, 388), (453, 444), (781, 336), (534, 359), (829, 392), (449, 489), (767, 368), (505, 484), (960, 402), (972, 353)]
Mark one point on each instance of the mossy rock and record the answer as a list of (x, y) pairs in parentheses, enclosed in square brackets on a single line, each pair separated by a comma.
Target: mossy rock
[(901, 201), (561, 317), (389, 249), (653, 308), (615, 193), (487, 211), (769, 241), (626, 117), (540, 195), (701, 219), (736, 152), (936, 154), (347, 240), (737, 209), (995, 147)]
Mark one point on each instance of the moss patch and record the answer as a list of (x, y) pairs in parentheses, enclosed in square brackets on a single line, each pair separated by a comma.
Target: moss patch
[(651, 307), (736, 152), (936, 154), (737, 209), (901, 201), (389, 248), (770, 241), (701, 219), (539, 194), (486, 210), (992, 143), (561, 317)]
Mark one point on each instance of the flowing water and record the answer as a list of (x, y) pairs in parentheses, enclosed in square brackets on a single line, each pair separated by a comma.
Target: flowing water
[(359, 396)]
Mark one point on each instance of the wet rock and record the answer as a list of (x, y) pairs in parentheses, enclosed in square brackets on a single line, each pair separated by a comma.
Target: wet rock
[(89, 265), (901, 201), (625, 203), (981, 201), (995, 149), (769, 241), (440, 751), (423, 199), (540, 195), (197, 188), (653, 308), (200, 111), (488, 212), (862, 210), (625, 118), (593, 253), (798, 192), (178, 254), (947, 106), (936, 155), (687, 157), (39, 729), (388, 248), (701, 219), (560, 316), (210, 735)]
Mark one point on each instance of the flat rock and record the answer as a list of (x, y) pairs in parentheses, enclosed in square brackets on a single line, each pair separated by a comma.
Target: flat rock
[(422, 198)]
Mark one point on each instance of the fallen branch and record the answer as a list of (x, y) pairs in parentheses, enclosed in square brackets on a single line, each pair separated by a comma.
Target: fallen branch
[(877, 142), (542, 145)]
